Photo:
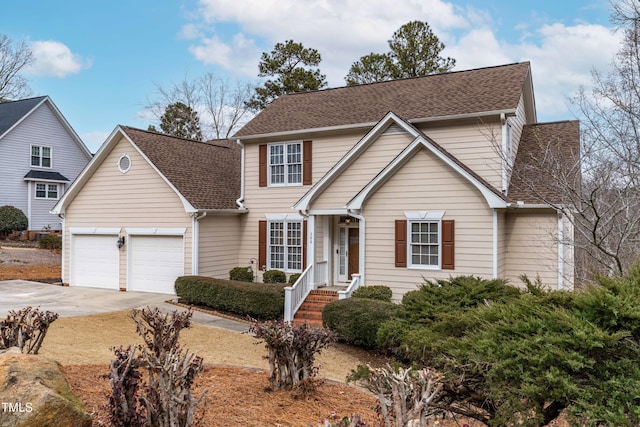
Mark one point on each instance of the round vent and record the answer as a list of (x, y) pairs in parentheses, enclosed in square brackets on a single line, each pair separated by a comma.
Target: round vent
[(124, 163)]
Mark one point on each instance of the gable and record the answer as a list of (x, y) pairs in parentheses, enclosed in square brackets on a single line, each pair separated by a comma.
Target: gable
[(111, 193)]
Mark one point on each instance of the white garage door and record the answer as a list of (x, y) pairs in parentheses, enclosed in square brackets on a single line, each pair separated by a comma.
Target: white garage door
[(95, 261), (155, 263)]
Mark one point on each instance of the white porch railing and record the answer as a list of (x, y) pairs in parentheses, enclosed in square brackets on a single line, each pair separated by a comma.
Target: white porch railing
[(295, 295), (356, 281), (322, 273)]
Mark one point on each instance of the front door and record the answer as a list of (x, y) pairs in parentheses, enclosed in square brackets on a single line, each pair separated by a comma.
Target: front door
[(348, 251)]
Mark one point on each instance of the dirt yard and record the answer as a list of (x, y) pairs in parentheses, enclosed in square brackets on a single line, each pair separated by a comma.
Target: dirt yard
[(29, 263)]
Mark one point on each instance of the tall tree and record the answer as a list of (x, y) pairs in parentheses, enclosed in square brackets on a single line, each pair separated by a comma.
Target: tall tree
[(414, 51), (295, 69), (180, 120), (220, 103), (13, 59)]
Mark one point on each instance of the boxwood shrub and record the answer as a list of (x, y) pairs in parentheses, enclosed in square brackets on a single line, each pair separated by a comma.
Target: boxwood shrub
[(274, 276), (259, 300), (356, 320), (241, 274), (379, 292)]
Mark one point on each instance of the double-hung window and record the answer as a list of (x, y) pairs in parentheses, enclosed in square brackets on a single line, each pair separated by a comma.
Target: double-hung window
[(285, 163), (285, 245), (424, 239), (46, 191), (40, 156)]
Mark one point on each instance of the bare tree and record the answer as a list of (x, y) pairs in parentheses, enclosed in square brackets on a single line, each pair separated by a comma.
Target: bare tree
[(220, 103), (13, 59), (599, 187)]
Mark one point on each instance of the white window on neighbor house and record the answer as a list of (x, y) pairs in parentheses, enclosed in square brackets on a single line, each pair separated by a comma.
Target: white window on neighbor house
[(285, 245), (47, 191), (285, 163), (41, 156)]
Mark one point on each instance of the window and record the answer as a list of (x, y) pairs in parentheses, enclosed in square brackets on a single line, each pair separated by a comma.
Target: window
[(285, 163), (46, 191), (124, 163), (424, 247), (40, 156), (285, 245)]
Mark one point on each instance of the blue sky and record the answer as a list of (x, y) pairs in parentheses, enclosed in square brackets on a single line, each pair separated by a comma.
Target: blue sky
[(100, 61)]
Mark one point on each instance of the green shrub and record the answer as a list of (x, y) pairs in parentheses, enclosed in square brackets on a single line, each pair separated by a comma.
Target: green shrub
[(241, 274), (274, 276), (379, 292), (293, 278), (258, 300), (356, 320), (50, 241), (12, 219)]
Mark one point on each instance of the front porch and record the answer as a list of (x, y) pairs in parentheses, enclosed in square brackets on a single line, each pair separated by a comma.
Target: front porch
[(335, 252)]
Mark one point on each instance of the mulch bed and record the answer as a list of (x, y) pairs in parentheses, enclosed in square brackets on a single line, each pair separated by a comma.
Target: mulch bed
[(237, 397)]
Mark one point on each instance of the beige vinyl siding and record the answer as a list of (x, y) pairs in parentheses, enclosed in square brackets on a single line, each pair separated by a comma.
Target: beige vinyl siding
[(138, 198), (502, 245), (475, 145), (427, 184), (369, 164), (219, 245), (531, 244), (517, 122)]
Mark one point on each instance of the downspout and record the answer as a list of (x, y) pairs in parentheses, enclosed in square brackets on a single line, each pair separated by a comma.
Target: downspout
[(495, 243), (560, 251), (503, 121), (195, 241), (63, 264), (240, 200)]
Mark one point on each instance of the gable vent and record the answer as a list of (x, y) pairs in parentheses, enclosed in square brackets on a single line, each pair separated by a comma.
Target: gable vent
[(393, 129)]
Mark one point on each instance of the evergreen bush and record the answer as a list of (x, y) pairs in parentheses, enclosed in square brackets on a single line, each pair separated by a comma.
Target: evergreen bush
[(357, 320), (50, 241), (379, 292), (241, 274), (12, 219), (274, 276)]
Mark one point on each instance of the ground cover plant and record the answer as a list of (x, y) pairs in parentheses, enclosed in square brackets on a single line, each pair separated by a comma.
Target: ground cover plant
[(524, 357)]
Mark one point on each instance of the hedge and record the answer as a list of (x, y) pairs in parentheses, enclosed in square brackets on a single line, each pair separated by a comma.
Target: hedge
[(258, 300), (356, 320), (379, 292)]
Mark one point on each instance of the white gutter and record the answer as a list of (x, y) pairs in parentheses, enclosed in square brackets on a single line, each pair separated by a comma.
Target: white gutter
[(195, 241), (240, 200)]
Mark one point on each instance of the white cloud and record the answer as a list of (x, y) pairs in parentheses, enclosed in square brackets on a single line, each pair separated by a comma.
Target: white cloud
[(562, 56), (53, 58)]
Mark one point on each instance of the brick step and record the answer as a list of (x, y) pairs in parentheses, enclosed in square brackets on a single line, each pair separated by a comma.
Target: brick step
[(309, 314), (312, 322), (311, 309)]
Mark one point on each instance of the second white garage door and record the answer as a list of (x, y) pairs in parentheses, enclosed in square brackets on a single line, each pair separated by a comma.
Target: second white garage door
[(155, 263)]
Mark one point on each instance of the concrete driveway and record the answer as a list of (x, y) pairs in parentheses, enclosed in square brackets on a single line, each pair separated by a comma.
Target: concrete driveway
[(76, 301)]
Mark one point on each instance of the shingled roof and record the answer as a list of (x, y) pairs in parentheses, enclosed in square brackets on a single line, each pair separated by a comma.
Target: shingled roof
[(207, 174), (438, 95), (12, 111), (546, 163)]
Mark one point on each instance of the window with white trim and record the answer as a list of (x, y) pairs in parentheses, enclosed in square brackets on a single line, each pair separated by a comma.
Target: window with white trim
[(425, 239), (285, 163), (285, 245), (41, 156), (47, 191)]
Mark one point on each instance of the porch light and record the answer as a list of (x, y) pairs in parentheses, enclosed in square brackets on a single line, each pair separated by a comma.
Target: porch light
[(347, 220)]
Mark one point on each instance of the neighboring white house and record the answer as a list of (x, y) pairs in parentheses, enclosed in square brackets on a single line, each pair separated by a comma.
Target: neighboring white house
[(40, 156)]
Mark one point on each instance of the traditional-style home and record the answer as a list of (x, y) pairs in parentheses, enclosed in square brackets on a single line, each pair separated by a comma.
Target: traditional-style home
[(40, 156), (387, 183)]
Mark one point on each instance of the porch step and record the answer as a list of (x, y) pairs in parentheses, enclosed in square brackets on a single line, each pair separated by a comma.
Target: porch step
[(311, 309)]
